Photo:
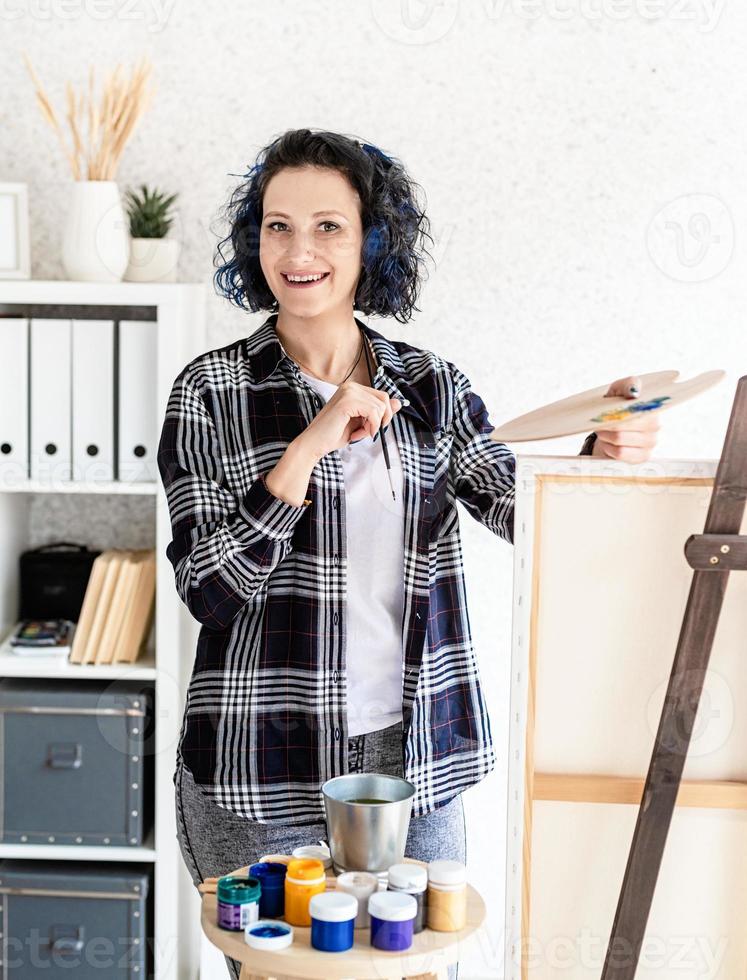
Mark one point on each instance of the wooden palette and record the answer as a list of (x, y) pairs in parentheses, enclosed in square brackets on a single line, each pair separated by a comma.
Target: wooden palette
[(590, 411)]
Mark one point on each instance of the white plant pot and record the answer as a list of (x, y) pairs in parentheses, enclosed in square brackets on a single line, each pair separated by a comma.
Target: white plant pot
[(96, 239), (153, 260)]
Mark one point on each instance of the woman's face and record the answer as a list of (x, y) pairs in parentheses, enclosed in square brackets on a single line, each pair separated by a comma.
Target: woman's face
[(311, 224)]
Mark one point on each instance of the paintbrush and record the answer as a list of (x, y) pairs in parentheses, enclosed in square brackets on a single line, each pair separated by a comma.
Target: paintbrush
[(380, 432)]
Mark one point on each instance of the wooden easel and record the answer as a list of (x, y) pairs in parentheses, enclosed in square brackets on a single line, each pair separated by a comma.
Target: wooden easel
[(712, 555)]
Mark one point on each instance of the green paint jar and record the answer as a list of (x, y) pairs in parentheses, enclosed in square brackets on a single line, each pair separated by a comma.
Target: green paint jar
[(238, 901)]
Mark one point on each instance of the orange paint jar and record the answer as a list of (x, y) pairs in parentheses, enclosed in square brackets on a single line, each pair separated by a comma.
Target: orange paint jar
[(305, 877)]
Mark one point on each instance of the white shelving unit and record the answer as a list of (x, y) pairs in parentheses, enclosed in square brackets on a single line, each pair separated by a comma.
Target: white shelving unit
[(177, 310)]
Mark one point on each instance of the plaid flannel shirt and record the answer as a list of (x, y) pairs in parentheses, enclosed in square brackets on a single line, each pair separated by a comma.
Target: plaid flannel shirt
[(264, 723)]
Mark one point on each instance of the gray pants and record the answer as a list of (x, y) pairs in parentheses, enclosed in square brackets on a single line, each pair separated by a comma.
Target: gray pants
[(215, 841)]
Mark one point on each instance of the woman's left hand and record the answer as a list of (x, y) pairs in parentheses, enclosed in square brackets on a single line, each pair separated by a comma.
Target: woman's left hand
[(635, 437)]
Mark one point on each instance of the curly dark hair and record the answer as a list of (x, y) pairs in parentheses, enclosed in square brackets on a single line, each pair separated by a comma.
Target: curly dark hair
[(394, 224)]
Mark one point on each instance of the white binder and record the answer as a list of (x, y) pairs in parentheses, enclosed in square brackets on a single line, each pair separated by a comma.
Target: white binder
[(50, 399), (93, 400), (137, 420), (14, 408)]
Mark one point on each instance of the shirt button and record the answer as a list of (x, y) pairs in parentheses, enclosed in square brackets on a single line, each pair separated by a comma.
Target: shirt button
[(336, 559), (335, 502), (335, 618), (337, 733), (335, 677)]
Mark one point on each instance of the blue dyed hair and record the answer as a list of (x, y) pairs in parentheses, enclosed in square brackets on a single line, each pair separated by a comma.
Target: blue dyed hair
[(394, 224)]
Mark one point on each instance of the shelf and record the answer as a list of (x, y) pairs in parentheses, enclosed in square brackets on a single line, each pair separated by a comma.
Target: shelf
[(15, 665), (176, 311), (52, 291), (146, 488), (80, 852)]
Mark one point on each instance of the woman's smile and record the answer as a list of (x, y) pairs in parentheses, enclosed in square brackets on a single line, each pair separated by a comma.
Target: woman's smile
[(299, 282)]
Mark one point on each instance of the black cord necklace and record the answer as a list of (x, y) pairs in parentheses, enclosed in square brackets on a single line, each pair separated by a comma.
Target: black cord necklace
[(355, 362)]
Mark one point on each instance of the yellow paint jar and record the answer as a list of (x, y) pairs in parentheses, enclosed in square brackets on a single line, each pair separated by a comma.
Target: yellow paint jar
[(447, 896), (305, 877)]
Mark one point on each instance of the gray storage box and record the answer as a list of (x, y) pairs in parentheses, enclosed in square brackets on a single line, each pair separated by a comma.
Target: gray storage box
[(75, 762), (63, 919)]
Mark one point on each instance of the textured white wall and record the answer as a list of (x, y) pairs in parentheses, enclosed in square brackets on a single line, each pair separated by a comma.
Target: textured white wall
[(584, 165)]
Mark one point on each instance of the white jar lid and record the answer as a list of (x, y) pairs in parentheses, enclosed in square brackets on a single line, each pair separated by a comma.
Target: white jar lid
[(333, 906), (408, 876), (392, 906), (358, 883), (317, 851), (282, 934), (447, 873)]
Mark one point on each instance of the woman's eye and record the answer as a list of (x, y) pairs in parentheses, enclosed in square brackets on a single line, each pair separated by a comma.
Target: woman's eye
[(273, 224)]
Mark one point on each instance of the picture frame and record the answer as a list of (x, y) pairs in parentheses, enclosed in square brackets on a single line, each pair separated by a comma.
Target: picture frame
[(15, 257)]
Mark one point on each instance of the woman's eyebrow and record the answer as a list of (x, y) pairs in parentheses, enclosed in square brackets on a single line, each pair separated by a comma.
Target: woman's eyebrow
[(316, 214)]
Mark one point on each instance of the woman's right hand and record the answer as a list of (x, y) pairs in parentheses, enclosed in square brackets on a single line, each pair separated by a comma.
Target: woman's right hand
[(352, 413)]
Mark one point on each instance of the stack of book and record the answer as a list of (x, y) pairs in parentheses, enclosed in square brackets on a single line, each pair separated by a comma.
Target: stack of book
[(118, 608)]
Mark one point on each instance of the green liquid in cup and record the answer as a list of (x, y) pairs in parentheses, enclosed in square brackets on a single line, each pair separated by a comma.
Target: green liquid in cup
[(367, 799)]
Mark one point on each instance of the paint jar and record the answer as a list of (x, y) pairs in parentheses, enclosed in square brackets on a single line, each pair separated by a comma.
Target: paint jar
[(412, 879), (304, 878), (275, 858), (271, 877), (360, 884), (268, 934), (238, 901), (332, 921), (318, 851), (392, 917), (447, 896)]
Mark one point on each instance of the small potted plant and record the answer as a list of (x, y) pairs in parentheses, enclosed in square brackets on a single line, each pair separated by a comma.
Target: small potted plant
[(153, 257)]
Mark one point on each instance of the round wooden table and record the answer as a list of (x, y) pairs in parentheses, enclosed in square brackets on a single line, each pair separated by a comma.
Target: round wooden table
[(428, 957)]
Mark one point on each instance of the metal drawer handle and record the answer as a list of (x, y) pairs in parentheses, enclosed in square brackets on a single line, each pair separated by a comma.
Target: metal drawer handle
[(64, 755), (69, 944)]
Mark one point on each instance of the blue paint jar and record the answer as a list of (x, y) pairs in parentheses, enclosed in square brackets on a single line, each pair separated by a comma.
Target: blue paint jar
[(333, 921), (392, 919), (271, 876), (268, 934)]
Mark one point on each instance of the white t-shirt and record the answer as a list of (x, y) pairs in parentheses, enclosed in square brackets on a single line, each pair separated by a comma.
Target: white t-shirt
[(375, 579)]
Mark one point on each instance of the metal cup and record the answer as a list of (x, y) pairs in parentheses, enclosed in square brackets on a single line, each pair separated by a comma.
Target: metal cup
[(367, 836)]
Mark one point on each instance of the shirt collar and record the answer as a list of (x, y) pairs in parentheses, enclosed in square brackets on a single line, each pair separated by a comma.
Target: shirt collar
[(265, 351)]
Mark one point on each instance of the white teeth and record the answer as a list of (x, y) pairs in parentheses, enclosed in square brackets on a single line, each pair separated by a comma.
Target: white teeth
[(305, 278)]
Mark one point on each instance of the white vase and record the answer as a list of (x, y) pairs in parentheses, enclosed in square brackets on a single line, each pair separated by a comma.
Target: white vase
[(153, 260), (96, 238)]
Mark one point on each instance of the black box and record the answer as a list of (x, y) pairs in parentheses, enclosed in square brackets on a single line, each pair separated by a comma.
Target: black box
[(53, 580), (76, 762), (64, 919)]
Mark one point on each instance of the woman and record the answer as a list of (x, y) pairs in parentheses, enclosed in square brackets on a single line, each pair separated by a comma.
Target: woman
[(335, 634)]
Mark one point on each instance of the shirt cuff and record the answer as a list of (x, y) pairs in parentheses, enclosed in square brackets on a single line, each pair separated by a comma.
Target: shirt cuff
[(588, 445), (267, 513)]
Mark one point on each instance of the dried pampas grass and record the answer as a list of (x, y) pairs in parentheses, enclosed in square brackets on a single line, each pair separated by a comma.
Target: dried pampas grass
[(110, 123)]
